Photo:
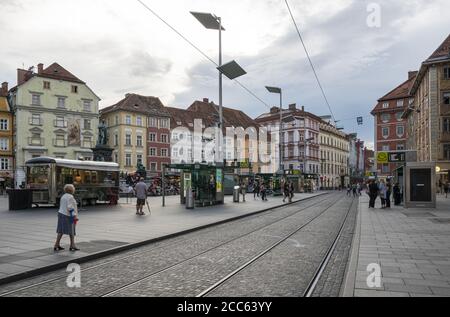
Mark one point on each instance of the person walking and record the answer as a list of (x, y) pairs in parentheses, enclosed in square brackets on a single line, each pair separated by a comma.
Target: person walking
[(291, 191), (373, 193), (243, 191), (256, 190), (440, 186), (354, 190), (67, 219), (446, 185), (349, 189), (388, 194), (263, 192), (141, 194), (382, 189), (397, 195), (285, 191)]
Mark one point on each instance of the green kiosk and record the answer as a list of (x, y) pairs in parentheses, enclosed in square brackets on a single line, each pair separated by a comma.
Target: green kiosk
[(204, 180)]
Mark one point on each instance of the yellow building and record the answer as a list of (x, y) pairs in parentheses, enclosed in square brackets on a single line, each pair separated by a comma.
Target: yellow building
[(6, 139)]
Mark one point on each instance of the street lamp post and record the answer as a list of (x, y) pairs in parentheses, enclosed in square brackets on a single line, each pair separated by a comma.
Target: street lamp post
[(276, 90), (232, 70)]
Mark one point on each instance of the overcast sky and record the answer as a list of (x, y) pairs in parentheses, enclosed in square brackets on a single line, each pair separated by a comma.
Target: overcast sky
[(117, 47)]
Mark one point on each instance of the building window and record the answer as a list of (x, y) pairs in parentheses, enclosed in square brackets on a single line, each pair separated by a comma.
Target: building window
[(117, 120), (400, 130), (385, 148), (46, 85), (87, 124), (4, 144), (36, 139), (4, 164), (35, 119), (446, 73), (35, 100), (74, 89), (61, 102), (153, 167), (152, 123), (400, 147), (60, 122), (4, 123), (164, 123), (116, 140), (385, 105), (385, 117), (399, 116), (447, 151), (446, 125), (385, 132), (152, 137), (164, 153), (128, 160), (116, 157), (385, 168), (128, 140), (446, 98), (87, 106), (87, 142), (164, 138), (175, 152), (139, 159), (400, 103), (139, 121), (128, 120), (139, 140), (152, 152), (60, 141)]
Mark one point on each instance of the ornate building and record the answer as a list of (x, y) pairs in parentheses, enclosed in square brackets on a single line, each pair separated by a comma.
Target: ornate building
[(6, 139)]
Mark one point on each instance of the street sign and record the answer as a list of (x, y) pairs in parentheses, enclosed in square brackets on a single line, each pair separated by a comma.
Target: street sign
[(382, 158), (397, 157)]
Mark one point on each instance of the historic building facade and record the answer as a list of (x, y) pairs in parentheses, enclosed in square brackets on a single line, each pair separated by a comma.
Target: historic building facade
[(6, 139), (429, 116), (334, 156), (391, 127), (56, 114), (139, 133)]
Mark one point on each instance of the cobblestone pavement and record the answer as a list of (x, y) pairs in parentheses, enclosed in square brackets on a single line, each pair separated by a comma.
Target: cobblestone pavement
[(411, 247), (288, 269), (109, 275)]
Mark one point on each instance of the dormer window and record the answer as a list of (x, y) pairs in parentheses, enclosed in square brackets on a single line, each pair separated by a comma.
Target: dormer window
[(74, 89)]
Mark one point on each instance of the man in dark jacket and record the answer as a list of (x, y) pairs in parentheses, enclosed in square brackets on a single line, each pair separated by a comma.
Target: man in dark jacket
[(373, 193)]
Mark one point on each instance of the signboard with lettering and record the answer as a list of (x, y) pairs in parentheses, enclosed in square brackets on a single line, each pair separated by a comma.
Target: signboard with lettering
[(397, 157), (382, 157)]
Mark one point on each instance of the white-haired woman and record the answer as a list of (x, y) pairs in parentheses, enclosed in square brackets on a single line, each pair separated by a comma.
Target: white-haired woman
[(67, 218)]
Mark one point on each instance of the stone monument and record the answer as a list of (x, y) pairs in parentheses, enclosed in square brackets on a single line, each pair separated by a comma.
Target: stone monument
[(102, 152)]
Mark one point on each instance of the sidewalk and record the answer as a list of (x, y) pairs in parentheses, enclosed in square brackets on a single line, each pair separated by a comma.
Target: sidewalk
[(412, 246), (27, 237)]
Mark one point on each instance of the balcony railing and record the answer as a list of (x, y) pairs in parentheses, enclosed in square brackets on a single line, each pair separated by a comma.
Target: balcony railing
[(59, 143), (36, 141)]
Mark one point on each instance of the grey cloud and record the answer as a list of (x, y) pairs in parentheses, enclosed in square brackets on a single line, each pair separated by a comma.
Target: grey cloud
[(142, 64)]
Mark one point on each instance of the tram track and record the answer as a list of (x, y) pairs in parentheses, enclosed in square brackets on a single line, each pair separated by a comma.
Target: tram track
[(241, 267), (311, 202)]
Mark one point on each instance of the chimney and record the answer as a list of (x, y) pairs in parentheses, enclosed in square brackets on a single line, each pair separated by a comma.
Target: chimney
[(21, 76), (303, 108), (412, 74), (274, 110), (293, 107), (40, 68), (4, 91), (205, 100)]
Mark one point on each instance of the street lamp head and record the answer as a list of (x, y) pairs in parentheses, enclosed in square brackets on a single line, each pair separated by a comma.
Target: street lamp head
[(232, 70), (274, 90), (208, 20)]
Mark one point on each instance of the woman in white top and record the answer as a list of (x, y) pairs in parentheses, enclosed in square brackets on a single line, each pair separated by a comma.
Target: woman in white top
[(67, 218)]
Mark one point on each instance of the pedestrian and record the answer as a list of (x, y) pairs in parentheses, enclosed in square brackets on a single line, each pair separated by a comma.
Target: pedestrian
[(373, 193), (285, 191), (291, 191), (388, 194), (446, 189), (382, 189), (67, 218), (141, 194), (440, 185), (263, 192), (354, 190), (256, 190), (397, 195), (243, 191), (349, 189)]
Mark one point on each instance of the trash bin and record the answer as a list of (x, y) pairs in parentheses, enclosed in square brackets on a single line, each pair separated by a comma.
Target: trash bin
[(189, 199), (236, 194), (20, 199)]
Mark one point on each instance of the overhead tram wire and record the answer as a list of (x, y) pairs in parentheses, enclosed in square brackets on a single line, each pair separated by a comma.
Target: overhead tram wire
[(199, 50), (310, 61)]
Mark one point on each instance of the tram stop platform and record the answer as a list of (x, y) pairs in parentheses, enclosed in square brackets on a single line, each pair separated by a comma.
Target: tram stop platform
[(27, 236), (411, 248)]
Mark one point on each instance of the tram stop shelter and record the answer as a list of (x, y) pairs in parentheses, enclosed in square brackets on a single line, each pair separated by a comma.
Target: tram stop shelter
[(205, 181)]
